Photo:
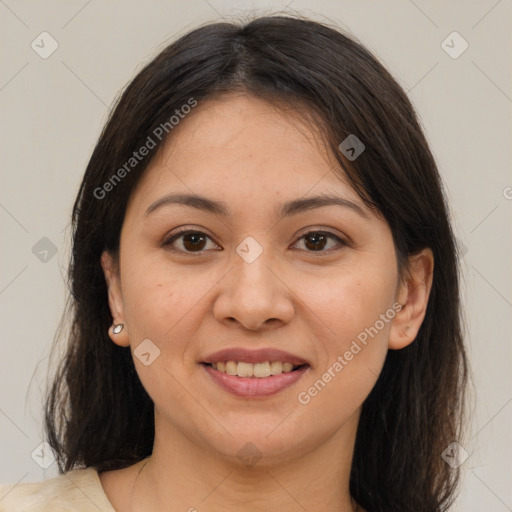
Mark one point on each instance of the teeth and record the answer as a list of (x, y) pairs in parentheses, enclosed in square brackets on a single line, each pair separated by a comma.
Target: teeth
[(258, 370), (231, 368), (287, 367), (245, 370), (276, 368), (261, 369)]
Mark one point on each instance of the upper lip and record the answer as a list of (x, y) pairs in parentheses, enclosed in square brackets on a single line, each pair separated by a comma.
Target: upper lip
[(254, 356)]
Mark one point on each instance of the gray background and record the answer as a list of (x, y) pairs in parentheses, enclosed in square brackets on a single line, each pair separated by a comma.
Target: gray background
[(53, 109)]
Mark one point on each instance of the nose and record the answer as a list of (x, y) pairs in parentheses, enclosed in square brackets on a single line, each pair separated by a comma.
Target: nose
[(254, 295)]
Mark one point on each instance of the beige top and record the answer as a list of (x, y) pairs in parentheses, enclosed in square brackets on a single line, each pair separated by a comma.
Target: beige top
[(79, 490)]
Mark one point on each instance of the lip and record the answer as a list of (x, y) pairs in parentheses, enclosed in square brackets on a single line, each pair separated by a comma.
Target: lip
[(255, 387), (240, 354)]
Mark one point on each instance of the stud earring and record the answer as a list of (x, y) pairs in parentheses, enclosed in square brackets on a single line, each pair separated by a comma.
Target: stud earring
[(117, 328)]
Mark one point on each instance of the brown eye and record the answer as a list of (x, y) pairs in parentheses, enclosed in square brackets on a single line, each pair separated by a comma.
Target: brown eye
[(189, 241), (316, 241)]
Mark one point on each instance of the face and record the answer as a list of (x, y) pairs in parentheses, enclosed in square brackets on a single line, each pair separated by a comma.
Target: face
[(259, 270)]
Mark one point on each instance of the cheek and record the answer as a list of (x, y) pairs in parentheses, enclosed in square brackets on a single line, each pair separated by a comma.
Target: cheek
[(158, 308), (353, 318), (154, 301), (349, 300), (165, 305)]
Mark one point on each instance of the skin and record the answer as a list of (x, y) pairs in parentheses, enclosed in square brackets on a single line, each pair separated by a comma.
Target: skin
[(241, 150)]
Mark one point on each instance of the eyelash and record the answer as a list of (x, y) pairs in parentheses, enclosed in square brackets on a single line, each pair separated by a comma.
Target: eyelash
[(167, 243)]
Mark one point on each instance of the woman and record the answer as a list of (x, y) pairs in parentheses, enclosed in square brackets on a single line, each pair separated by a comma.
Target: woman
[(264, 290)]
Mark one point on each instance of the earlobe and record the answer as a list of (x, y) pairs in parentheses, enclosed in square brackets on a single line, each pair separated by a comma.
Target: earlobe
[(119, 335), (413, 294), (117, 331)]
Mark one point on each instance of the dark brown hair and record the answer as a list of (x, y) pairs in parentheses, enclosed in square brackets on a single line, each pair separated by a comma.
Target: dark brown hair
[(97, 412)]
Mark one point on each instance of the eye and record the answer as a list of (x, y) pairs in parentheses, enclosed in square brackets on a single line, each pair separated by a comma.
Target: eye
[(193, 241), (190, 241), (316, 241)]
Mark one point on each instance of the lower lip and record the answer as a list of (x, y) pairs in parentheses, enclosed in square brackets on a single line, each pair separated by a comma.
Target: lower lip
[(255, 386)]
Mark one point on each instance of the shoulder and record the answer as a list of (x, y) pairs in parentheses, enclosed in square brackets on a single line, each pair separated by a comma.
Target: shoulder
[(79, 490)]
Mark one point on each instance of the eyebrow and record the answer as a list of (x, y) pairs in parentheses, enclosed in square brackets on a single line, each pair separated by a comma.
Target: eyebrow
[(289, 208)]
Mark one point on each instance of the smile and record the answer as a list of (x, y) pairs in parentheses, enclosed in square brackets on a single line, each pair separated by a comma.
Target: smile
[(254, 379), (257, 370)]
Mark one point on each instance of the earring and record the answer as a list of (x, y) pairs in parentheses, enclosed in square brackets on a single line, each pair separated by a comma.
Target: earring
[(117, 328)]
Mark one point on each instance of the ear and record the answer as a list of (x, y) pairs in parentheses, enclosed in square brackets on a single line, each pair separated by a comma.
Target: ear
[(413, 293), (115, 301)]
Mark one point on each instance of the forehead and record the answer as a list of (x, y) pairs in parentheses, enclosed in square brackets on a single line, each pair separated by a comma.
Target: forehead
[(238, 147)]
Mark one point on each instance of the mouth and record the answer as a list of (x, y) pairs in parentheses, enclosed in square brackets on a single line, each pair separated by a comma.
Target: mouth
[(260, 370), (254, 380)]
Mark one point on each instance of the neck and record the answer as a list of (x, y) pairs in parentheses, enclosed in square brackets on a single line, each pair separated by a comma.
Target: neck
[(186, 476)]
